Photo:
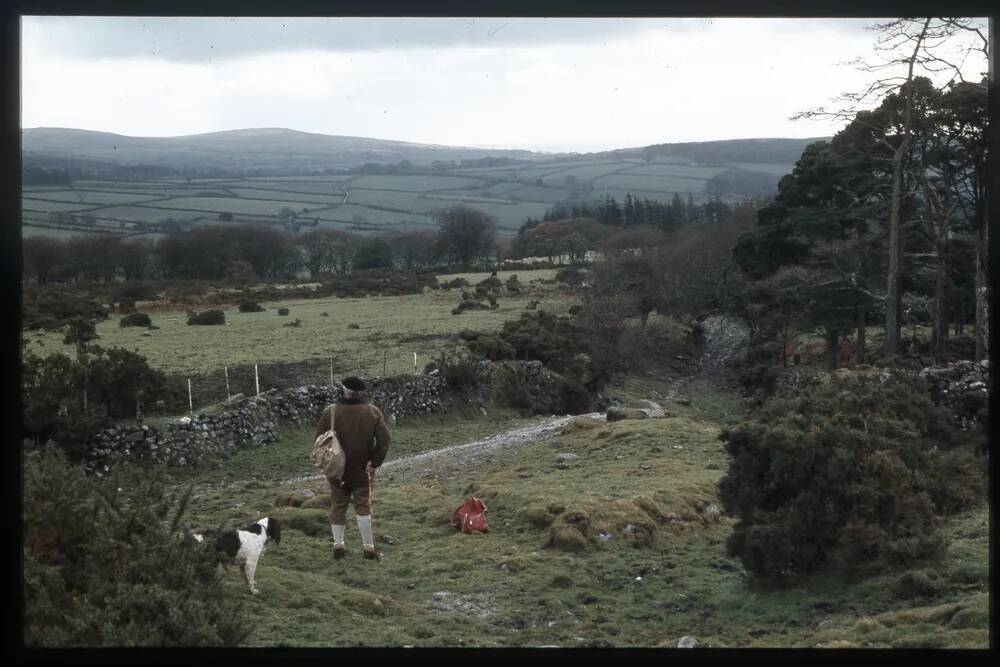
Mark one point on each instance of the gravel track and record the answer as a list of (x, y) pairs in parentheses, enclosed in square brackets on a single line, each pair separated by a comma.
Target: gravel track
[(725, 338)]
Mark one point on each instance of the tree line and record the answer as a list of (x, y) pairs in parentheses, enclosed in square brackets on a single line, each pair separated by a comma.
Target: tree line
[(465, 236)]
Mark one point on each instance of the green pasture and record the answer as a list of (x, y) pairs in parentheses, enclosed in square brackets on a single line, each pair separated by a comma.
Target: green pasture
[(769, 167), (234, 205), (416, 202), (49, 206), (33, 230), (328, 199), (311, 187), (147, 214), (345, 213), (679, 170), (656, 183), (534, 193), (414, 183), (584, 174), (396, 326), (92, 197)]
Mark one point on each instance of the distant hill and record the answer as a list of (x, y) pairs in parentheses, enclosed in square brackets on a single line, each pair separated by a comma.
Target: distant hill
[(271, 149), (717, 153), (274, 150)]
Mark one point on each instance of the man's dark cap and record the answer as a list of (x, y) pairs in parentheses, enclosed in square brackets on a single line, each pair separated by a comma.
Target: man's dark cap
[(353, 383)]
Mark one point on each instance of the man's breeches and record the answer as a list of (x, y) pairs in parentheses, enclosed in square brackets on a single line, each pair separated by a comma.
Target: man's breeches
[(340, 497)]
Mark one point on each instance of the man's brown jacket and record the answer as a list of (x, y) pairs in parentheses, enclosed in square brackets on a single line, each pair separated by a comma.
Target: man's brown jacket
[(362, 433)]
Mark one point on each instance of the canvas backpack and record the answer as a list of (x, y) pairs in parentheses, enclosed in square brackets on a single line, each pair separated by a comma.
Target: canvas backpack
[(470, 517), (327, 454)]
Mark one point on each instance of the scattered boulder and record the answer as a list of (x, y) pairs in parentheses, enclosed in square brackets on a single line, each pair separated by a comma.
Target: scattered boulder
[(687, 642)]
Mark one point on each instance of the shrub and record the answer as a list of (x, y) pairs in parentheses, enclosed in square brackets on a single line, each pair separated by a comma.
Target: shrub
[(455, 283), (489, 285), (571, 276), (353, 325), (459, 372), (838, 473), (249, 306), (295, 324), (208, 317), (126, 294), (52, 389), (103, 567), (52, 307), (282, 311), (135, 320), (469, 303), (488, 345), (513, 285)]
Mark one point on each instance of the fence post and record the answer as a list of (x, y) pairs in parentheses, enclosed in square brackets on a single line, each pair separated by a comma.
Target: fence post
[(256, 378), (229, 396), (414, 363), (331, 371), (190, 399), (383, 362)]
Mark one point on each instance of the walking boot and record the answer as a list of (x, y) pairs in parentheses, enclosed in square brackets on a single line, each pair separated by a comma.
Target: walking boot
[(339, 551), (370, 553)]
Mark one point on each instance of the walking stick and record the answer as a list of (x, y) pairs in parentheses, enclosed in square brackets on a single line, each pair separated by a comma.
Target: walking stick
[(371, 513)]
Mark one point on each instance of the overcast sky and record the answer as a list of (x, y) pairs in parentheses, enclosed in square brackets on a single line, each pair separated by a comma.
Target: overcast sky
[(541, 84)]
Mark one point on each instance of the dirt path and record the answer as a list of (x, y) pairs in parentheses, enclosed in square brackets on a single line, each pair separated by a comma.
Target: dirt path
[(444, 462)]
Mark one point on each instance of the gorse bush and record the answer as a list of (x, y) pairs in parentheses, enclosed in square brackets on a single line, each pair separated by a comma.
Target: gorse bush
[(846, 473), (458, 371), (455, 283), (249, 306), (50, 307), (282, 311), (208, 317), (135, 320), (53, 387), (106, 563)]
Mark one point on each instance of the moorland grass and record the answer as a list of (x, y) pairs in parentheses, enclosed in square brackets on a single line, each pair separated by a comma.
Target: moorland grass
[(660, 573)]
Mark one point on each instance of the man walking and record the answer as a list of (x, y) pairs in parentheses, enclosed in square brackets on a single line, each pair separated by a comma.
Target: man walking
[(364, 437)]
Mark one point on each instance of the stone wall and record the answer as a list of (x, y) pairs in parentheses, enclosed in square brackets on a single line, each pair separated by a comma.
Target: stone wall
[(962, 387), (250, 422)]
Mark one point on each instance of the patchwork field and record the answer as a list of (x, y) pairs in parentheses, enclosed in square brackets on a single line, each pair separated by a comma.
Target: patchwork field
[(387, 202)]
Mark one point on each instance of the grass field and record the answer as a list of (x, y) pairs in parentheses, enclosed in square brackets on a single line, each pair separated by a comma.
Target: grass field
[(396, 326), (654, 568)]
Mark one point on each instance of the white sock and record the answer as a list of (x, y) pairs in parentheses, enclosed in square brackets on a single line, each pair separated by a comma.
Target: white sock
[(338, 534), (365, 526)]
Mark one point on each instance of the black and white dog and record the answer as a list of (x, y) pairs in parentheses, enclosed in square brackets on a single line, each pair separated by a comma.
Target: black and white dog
[(245, 546)]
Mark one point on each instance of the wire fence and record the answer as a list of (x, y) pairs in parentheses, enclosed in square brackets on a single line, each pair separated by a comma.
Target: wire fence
[(222, 384)]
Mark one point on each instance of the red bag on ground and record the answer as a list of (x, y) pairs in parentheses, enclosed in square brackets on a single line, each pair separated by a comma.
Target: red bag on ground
[(470, 517)]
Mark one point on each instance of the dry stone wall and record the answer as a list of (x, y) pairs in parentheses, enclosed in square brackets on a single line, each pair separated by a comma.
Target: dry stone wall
[(247, 422)]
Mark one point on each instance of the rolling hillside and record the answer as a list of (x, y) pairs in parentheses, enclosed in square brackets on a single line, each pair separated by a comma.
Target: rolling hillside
[(324, 182)]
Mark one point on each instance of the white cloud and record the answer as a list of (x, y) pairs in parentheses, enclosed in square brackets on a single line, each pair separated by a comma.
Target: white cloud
[(671, 80)]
